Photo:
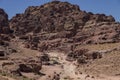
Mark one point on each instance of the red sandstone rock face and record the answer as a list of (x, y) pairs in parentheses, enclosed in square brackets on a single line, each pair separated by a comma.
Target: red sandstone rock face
[(63, 20), (5, 31), (5, 35), (54, 17), (4, 25)]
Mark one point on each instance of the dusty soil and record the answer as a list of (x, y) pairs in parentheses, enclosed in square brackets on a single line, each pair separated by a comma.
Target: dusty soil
[(106, 68)]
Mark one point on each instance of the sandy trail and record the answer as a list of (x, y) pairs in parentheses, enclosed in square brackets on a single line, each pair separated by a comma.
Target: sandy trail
[(70, 71)]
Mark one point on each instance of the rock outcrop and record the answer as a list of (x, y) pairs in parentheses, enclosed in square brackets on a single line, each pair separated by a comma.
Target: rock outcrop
[(16, 67), (5, 35), (5, 31), (4, 23), (83, 55), (64, 21)]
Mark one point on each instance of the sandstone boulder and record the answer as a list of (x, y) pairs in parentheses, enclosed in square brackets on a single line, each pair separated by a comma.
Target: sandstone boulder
[(30, 68)]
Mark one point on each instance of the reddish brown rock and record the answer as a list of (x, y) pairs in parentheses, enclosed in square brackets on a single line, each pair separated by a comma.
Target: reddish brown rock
[(4, 25), (65, 21)]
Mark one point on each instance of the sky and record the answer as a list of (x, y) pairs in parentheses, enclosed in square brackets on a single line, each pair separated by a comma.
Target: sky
[(108, 7)]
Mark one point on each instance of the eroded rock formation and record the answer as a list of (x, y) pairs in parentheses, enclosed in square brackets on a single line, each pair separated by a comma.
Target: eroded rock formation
[(62, 20)]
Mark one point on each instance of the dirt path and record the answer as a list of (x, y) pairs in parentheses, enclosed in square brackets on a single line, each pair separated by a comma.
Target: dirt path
[(70, 71)]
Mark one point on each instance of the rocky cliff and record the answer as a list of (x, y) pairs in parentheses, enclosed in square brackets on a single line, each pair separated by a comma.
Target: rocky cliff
[(56, 23), (4, 24), (5, 35)]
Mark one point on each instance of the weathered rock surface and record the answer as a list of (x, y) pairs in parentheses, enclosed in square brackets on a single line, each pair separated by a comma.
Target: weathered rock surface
[(83, 55), (5, 35), (4, 24), (42, 26), (16, 67), (57, 26)]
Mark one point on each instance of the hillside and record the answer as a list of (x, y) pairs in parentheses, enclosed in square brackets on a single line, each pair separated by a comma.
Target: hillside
[(63, 22), (59, 41)]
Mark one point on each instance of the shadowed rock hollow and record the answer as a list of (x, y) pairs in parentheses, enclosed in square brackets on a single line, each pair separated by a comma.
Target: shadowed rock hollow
[(5, 31), (4, 25)]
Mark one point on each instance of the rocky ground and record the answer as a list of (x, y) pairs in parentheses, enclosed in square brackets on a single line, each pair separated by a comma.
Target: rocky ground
[(56, 67), (58, 41)]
